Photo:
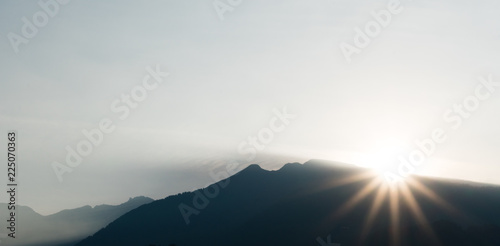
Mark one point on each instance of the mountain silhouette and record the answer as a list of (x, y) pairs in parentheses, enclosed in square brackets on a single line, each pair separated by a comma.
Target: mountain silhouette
[(65, 227), (315, 203)]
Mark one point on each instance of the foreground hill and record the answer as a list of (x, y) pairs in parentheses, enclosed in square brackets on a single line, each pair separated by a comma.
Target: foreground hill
[(316, 203), (65, 227)]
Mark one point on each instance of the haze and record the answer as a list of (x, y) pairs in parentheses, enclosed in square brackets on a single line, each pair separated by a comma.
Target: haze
[(225, 79)]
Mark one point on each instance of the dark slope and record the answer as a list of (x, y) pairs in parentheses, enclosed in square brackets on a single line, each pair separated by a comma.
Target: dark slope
[(68, 226), (299, 203)]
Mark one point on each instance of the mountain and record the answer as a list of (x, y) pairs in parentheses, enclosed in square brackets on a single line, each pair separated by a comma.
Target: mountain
[(68, 226), (315, 203)]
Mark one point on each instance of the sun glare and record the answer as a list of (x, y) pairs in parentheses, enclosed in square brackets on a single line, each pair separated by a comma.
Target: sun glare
[(383, 156), (399, 196)]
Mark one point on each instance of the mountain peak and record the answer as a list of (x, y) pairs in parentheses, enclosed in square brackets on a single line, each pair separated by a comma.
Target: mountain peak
[(290, 166), (253, 167), (139, 198)]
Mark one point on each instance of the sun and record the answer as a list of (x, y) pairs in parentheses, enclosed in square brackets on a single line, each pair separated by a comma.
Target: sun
[(401, 200), (383, 156)]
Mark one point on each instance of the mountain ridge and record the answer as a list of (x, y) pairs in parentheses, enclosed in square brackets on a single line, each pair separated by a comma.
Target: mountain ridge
[(68, 225), (293, 206)]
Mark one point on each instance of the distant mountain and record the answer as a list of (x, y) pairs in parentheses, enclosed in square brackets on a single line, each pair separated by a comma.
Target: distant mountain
[(316, 203), (65, 227)]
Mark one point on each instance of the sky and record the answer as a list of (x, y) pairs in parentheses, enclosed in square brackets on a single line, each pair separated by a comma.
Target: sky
[(233, 73)]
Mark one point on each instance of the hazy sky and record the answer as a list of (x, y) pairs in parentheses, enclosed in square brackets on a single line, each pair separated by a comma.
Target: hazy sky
[(226, 78)]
